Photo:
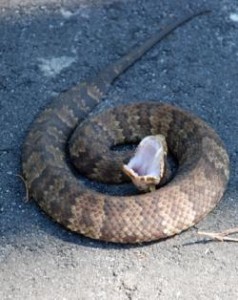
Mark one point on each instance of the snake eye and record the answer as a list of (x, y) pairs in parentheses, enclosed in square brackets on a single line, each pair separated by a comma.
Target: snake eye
[(146, 167)]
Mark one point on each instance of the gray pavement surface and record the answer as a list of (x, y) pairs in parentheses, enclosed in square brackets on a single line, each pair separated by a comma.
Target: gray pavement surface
[(46, 47)]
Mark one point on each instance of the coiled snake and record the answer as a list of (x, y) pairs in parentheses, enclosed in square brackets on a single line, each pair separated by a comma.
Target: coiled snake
[(200, 181)]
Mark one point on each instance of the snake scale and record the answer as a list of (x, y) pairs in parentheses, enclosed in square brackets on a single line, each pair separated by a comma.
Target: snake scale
[(199, 183)]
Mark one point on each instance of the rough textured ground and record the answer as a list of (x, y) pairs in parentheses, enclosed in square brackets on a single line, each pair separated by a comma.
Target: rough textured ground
[(46, 47)]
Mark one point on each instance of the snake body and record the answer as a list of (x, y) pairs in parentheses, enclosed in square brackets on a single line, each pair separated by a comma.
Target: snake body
[(200, 181)]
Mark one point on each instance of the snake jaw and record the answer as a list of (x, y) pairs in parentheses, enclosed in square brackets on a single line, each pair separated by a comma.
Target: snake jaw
[(146, 167)]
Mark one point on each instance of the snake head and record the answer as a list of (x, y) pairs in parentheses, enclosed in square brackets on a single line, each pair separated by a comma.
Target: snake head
[(146, 167)]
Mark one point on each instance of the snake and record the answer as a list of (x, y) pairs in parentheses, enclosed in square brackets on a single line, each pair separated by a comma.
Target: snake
[(67, 126)]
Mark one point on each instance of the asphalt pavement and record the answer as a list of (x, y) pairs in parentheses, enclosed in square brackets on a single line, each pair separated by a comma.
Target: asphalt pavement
[(48, 46)]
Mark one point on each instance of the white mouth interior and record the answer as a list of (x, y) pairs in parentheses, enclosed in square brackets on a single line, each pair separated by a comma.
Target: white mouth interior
[(147, 159), (146, 167)]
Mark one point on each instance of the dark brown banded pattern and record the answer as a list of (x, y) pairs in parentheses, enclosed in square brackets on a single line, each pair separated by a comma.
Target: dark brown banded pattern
[(197, 187)]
